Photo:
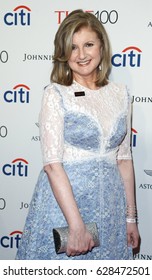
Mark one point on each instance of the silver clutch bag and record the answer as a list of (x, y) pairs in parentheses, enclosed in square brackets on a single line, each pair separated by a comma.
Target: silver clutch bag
[(60, 236)]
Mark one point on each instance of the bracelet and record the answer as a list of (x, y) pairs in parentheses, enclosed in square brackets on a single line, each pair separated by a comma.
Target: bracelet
[(131, 214), (129, 220)]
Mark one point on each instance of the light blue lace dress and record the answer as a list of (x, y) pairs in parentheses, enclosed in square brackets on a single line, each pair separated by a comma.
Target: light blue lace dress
[(87, 133)]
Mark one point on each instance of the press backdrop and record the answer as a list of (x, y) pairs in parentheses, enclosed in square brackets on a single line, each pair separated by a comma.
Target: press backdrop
[(27, 30)]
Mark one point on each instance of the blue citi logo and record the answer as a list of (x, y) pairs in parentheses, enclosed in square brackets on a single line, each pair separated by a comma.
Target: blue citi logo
[(20, 16), (18, 167), (12, 240), (130, 56), (20, 94)]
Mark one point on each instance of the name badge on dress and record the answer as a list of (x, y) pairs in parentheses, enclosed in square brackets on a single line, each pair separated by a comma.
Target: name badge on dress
[(79, 93)]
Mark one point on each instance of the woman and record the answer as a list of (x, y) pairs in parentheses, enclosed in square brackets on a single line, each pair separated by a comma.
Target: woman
[(85, 136)]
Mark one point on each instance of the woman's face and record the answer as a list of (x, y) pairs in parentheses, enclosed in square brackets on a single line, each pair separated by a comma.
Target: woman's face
[(86, 53)]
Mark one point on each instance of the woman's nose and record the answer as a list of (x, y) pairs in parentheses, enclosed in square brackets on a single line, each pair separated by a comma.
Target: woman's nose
[(82, 53)]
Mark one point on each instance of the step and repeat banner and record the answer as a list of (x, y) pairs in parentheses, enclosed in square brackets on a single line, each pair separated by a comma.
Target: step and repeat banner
[(27, 30)]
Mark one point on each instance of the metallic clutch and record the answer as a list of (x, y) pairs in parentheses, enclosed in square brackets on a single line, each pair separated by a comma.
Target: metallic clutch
[(60, 236)]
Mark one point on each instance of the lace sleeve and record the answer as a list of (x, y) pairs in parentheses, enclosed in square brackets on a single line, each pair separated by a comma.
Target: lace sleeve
[(124, 151), (51, 126)]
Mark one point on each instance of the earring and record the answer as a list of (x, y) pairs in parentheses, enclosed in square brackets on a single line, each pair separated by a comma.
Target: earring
[(67, 73), (100, 67)]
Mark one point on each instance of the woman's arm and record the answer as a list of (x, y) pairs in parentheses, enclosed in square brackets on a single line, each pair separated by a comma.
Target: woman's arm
[(51, 120), (127, 174), (80, 240)]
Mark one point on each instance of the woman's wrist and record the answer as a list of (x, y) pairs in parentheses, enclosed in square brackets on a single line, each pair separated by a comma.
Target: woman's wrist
[(131, 214)]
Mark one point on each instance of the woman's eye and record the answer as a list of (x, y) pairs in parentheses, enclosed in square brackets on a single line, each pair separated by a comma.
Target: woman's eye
[(74, 47), (89, 44)]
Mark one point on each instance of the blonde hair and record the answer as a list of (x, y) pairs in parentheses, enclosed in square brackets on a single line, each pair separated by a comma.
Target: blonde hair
[(61, 72)]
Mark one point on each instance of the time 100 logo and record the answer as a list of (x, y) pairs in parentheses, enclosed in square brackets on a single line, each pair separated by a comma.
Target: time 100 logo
[(103, 16)]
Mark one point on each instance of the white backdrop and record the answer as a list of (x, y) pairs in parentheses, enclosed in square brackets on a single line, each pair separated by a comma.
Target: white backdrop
[(27, 32)]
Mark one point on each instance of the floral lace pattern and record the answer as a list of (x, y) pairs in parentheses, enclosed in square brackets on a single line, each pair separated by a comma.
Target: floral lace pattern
[(101, 113)]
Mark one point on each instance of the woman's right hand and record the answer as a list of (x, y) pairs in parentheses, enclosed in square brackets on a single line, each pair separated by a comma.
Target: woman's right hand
[(80, 241)]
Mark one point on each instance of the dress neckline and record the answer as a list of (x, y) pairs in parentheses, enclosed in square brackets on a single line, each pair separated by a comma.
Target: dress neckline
[(88, 89)]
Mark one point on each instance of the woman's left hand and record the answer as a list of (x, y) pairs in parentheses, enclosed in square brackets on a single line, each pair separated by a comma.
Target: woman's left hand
[(132, 235)]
